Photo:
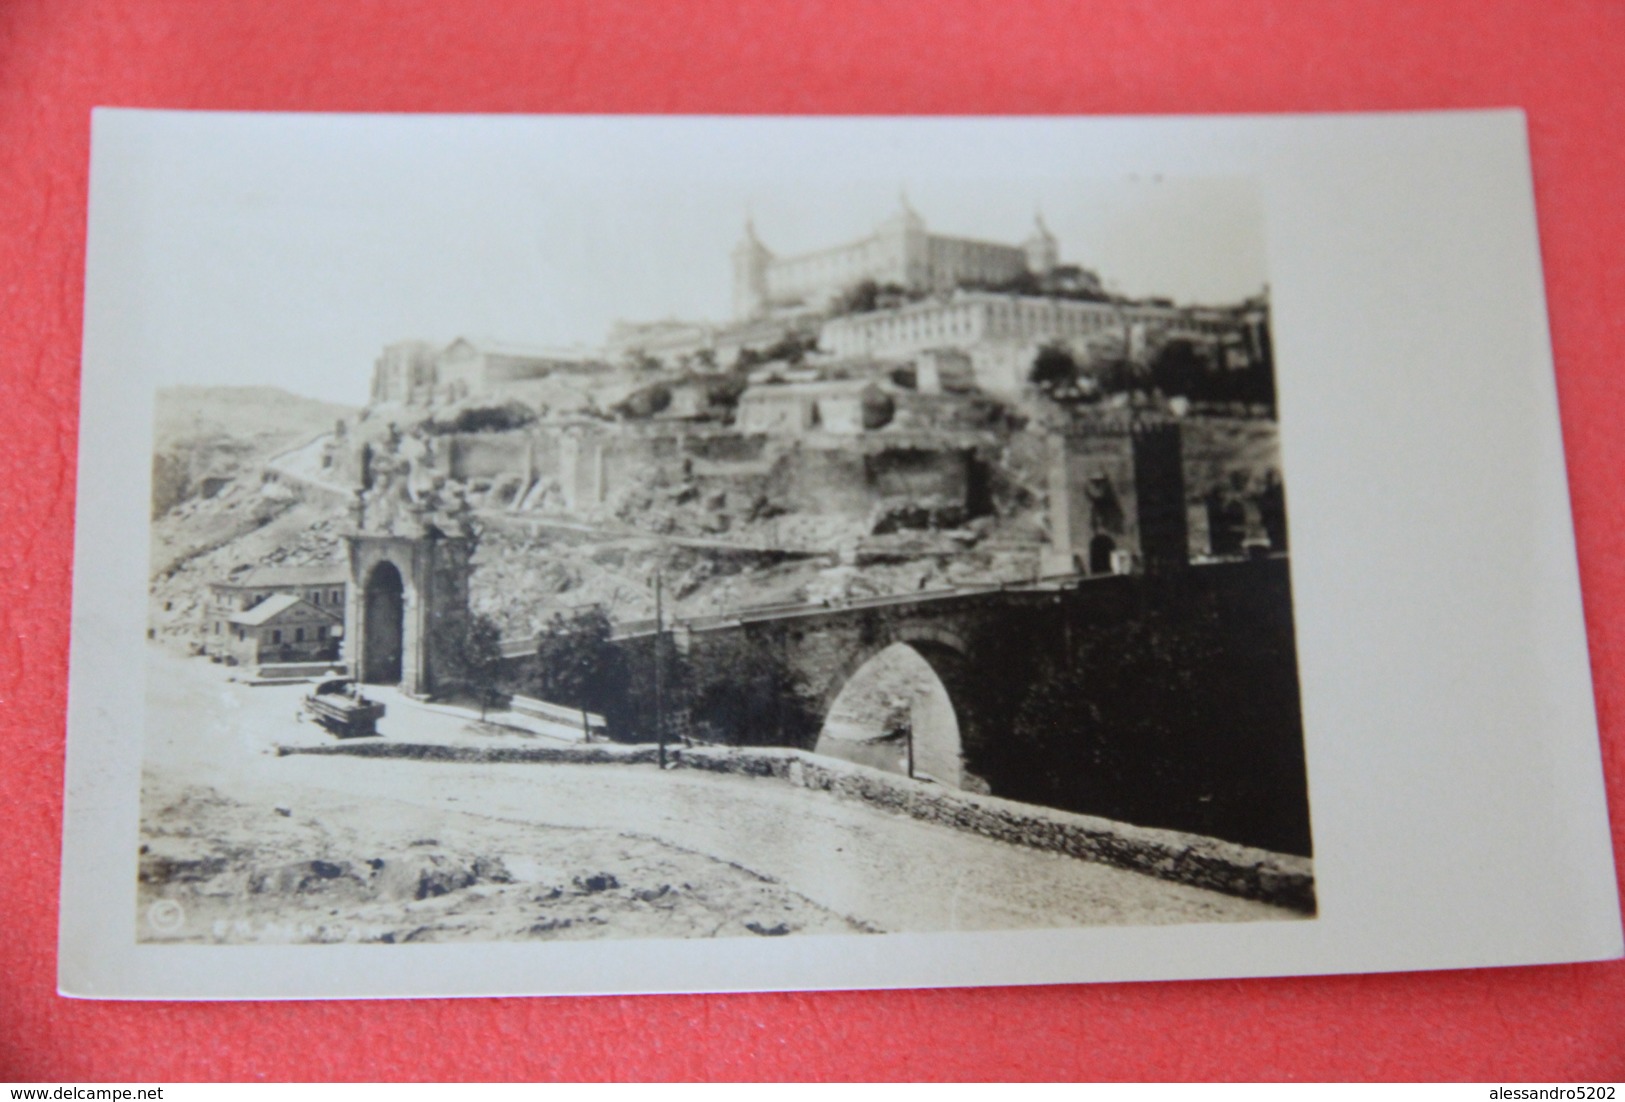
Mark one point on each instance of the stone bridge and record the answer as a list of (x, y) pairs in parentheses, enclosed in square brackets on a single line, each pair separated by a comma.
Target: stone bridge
[(890, 682), (931, 685)]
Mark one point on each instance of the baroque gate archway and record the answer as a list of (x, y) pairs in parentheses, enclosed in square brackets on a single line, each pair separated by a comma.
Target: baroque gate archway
[(408, 613), (384, 622)]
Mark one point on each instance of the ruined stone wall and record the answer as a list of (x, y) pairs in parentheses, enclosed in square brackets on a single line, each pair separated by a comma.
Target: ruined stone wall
[(725, 447), (848, 482), (592, 468), (917, 473), (489, 455), (821, 481)]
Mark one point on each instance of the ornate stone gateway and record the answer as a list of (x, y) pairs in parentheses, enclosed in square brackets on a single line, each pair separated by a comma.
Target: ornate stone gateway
[(409, 608), (409, 563)]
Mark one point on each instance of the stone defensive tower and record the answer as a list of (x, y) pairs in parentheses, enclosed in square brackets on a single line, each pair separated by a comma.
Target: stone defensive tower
[(1117, 497), (751, 260), (1043, 251)]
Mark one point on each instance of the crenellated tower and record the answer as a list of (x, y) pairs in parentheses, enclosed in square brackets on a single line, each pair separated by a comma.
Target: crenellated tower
[(1043, 251), (1117, 497), (906, 246), (751, 260)]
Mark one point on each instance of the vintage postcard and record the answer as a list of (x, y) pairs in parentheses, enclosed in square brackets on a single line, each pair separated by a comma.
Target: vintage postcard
[(524, 555)]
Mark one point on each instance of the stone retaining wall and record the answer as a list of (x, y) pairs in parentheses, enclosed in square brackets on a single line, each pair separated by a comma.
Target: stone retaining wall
[(1194, 859), (1282, 879), (605, 754)]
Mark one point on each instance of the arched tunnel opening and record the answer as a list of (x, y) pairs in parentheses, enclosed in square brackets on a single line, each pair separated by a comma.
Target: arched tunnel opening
[(384, 617)]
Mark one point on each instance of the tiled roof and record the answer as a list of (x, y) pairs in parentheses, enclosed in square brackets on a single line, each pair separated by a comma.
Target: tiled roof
[(272, 607)]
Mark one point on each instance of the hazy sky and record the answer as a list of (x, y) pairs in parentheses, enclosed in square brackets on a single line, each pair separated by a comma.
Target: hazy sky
[(287, 250)]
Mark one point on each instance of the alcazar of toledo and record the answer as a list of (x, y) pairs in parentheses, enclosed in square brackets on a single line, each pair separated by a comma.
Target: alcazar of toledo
[(901, 252), (997, 303)]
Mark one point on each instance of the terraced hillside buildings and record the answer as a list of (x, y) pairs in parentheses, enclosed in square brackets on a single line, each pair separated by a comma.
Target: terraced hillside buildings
[(904, 292)]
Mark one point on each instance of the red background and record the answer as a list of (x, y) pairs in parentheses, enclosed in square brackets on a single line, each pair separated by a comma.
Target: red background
[(1560, 61)]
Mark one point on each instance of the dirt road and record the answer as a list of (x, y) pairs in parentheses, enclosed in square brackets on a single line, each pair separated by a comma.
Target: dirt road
[(689, 853)]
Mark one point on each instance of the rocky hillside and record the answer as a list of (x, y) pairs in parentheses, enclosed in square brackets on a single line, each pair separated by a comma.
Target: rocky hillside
[(205, 436)]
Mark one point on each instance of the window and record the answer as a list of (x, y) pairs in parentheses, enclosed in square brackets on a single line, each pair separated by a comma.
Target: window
[(298, 635), (315, 596), (321, 631), (276, 635)]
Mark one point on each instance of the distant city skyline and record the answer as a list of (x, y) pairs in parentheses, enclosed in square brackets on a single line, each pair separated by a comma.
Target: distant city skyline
[(292, 263)]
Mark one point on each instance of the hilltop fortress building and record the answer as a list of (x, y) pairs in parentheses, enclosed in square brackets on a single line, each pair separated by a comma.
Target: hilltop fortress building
[(418, 372), (900, 252), (996, 305)]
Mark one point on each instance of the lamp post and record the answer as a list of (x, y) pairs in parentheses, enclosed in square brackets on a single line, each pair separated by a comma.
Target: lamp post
[(660, 703)]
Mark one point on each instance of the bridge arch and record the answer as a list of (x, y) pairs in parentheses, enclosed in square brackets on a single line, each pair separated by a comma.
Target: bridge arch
[(890, 707)]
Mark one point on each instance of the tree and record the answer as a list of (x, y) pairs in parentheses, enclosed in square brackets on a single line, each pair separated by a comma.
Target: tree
[(1117, 375), (482, 662), (1053, 369), (1184, 717), (746, 692), (791, 347), (644, 402), (860, 298), (486, 417), (1132, 729), (578, 665), (1176, 369)]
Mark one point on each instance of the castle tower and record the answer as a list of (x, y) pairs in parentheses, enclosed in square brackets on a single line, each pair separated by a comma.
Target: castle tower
[(408, 610), (404, 372), (906, 247), (1043, 252), (751, 260), (1117, 498)]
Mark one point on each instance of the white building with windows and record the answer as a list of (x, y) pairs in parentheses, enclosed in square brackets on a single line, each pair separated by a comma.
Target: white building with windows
[(901, 252), (1001, 333), (298, 610)]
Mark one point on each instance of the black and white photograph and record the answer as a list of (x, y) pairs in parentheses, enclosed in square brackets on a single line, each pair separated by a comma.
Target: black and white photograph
[(578, 532), (867, 572)]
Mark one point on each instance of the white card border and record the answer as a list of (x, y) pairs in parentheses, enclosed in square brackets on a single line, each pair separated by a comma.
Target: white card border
[(1455, 776)]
